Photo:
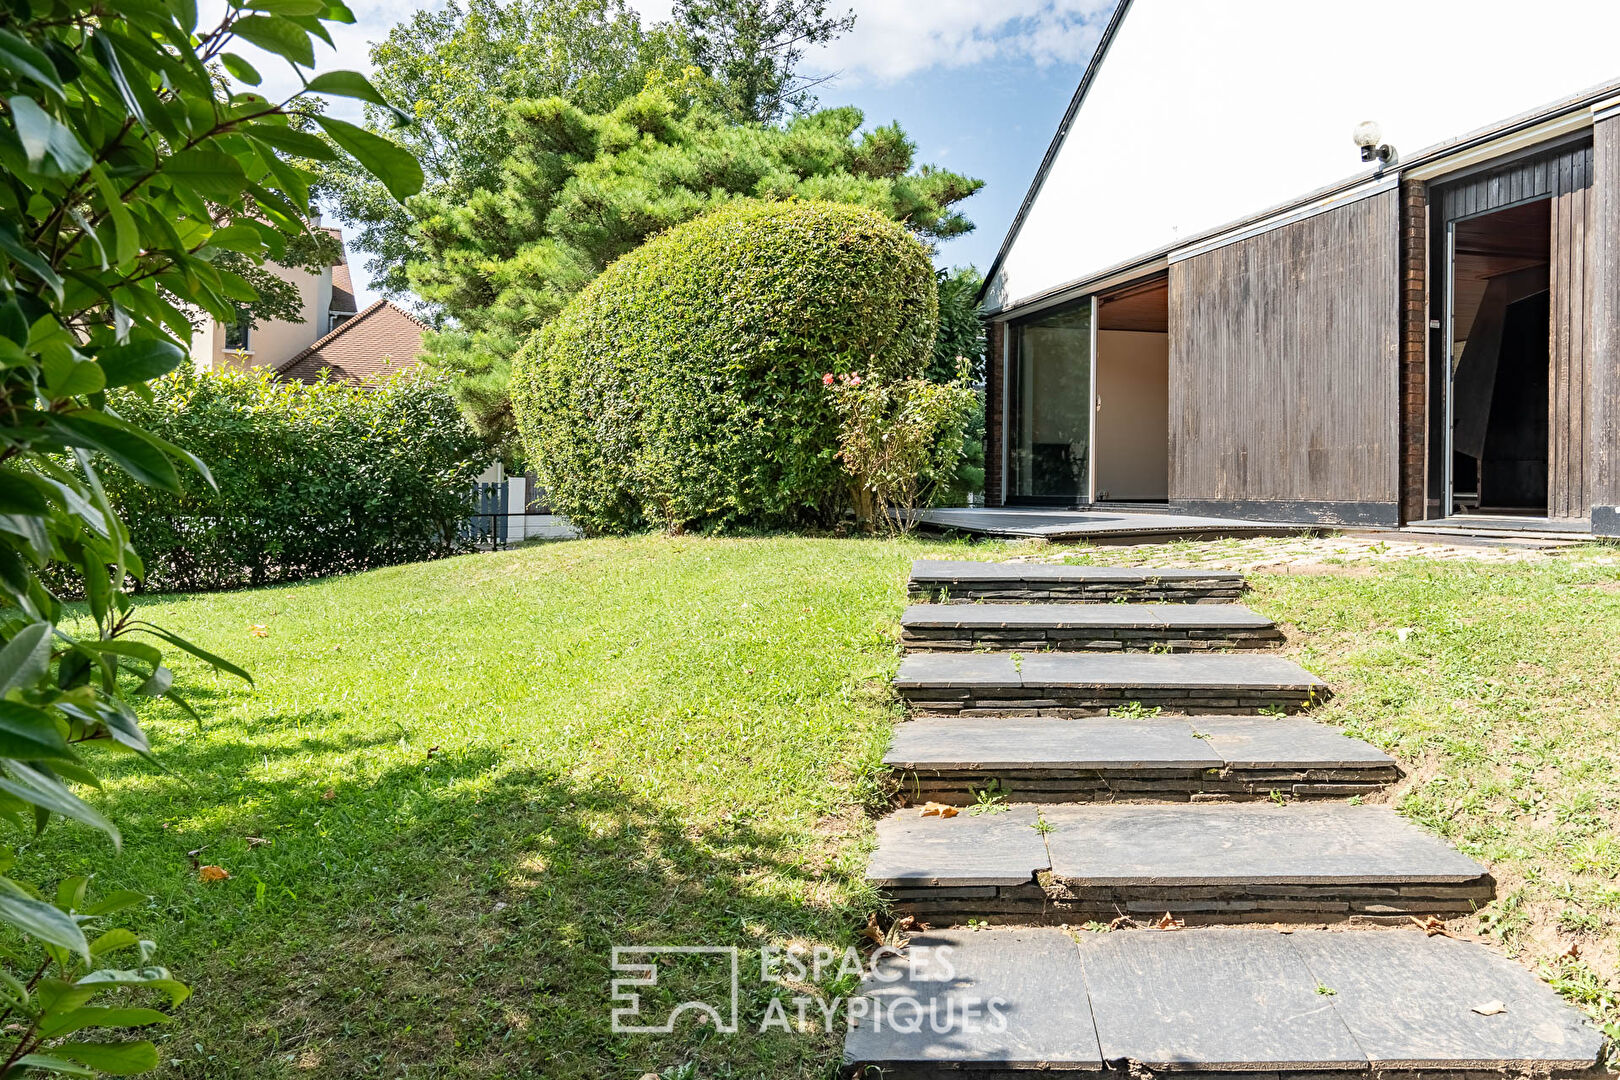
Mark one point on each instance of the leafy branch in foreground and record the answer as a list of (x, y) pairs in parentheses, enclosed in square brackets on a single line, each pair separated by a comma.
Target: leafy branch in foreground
[(138, 192)]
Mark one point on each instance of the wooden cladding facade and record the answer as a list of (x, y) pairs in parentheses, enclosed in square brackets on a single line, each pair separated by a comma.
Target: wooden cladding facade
[(1569, 382), (1604, 413), (1284, 351)]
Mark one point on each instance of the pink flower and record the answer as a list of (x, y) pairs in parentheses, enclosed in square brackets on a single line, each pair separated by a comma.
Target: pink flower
[(827, 379), (854, 380)]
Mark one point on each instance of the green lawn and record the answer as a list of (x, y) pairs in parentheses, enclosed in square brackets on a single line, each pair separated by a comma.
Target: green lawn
[(474, 777)]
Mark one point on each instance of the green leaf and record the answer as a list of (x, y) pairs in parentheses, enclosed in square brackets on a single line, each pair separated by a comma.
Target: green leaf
[(211, 173), (119, 1059), (45, 138), (137, 101), (155, 977), (19, 496), (289, 141), (30, 734), (99, 1017), (241, 70), (45, 792), (140, 361), (272, 33), (29, 259), (200, 653), (350, 84), (389, 162), (113, 902), (129, 448), (112, 941), (157, 685), (40, 920), (26, 657), (19, 56), (47, 1063), (126, 235)]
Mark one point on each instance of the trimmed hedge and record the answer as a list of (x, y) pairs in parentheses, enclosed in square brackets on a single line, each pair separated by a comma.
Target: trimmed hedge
[(313, 479), (682, 388)]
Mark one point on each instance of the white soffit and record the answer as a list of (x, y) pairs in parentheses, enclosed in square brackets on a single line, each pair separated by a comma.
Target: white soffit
[(1203, 113)]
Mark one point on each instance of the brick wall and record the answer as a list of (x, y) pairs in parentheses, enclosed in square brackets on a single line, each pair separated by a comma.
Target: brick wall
[(1414, 348), (995, 370)]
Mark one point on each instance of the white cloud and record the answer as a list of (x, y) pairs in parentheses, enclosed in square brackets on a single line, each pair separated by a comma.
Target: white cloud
[(896, 38)]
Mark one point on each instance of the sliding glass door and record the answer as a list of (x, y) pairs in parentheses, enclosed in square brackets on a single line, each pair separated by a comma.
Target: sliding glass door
[(1049, 454)]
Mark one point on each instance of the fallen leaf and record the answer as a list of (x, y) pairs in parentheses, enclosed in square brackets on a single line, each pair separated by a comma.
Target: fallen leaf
[(1403, 633), (872, 933), (1490, 1008), (1433, 926), (939, 809), (329, 795), (212, 873), (1168, 921), (1571, 953), (1124, 922), (259, 630), (255, 841)]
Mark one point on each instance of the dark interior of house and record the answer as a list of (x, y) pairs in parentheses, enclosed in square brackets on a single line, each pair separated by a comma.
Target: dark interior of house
[(1500, 362)]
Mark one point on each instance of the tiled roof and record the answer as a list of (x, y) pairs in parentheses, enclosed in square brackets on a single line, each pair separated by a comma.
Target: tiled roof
[(378, 342), (342, 288)]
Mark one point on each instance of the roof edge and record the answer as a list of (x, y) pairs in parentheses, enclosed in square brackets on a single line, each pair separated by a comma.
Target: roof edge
[(1057, 142), (342, 328)]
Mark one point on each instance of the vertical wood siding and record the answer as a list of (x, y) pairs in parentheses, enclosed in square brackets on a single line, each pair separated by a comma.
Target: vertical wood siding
[(1570, 376), (1604, 472), (1283, 366), (1414, 406), (995, 374)]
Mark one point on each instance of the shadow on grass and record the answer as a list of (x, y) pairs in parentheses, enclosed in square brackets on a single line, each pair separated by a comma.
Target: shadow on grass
[(456, 915)]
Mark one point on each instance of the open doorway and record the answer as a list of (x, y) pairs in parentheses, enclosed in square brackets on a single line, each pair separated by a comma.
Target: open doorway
[(1500, 364), (1131, 425)]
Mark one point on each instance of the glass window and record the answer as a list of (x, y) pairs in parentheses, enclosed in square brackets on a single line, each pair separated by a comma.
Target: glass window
[(239, 334), (1050, 453)]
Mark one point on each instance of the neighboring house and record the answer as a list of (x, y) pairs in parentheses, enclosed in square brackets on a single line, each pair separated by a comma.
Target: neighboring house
[(1208, 300), (360, 346)]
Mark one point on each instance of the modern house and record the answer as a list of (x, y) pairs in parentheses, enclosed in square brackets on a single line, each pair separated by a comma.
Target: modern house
[(357, 346), (1347, 261)]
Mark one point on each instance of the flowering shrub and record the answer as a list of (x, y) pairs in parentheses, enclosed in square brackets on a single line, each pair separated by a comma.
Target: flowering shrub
[(898, 440)]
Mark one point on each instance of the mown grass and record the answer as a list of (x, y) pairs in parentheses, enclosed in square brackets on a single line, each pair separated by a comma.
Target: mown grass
[(474, 777)]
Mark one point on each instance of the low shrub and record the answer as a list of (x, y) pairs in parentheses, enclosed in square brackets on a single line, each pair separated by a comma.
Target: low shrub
[(312, 479), (682, 388), (899, 441)]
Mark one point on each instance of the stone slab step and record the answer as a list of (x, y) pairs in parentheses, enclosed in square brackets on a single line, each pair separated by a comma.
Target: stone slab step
[(953, 759), (965, 1004), (1087, 684), (938, 580), (1313, 862), (1086, 627)]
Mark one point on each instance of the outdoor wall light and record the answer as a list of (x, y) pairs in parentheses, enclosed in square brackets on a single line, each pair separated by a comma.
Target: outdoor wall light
[(1367, 136)]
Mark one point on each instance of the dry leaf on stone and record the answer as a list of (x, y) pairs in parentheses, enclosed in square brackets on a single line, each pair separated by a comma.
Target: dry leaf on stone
[(1168, 921), (939, 809), (212, 873), (1433, 926), (1124, 922), (1490, 1008), (872, 933)]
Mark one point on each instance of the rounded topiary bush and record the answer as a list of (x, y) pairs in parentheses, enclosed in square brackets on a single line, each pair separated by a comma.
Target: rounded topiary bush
[(683, 387)]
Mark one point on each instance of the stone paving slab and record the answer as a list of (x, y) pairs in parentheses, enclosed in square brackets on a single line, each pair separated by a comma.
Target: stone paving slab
[(1253, 844), (1099, 743), (1409, 1000), (951, 670), (944, 571), (1284, 742), (965, 850), (1016, 999), (1083, 616), (1235, 671), (1210, 999)]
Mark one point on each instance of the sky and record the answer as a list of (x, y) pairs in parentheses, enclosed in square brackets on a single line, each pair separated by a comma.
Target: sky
[(979, 85)]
